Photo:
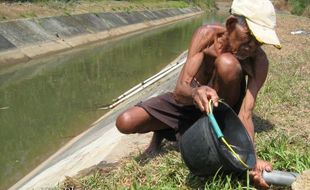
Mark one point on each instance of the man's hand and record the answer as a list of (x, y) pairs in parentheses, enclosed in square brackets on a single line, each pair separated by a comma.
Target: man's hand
[(201, 96), (256, 173)]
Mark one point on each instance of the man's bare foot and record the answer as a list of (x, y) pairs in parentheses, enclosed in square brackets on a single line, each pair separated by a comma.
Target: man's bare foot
[(175, 145), (154, 146)]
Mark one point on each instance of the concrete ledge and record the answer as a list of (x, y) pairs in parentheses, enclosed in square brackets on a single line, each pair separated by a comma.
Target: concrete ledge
[(34, 51), (12, 57), (22, 40)]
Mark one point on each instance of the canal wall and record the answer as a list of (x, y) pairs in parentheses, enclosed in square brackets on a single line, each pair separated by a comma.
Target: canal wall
[(23, 40)]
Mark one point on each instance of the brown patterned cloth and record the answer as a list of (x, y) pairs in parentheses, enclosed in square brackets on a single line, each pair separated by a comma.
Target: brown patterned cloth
[(177, 116)]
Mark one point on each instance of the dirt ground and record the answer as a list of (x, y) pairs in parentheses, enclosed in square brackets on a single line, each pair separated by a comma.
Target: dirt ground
[(290, 69), (302, 182)]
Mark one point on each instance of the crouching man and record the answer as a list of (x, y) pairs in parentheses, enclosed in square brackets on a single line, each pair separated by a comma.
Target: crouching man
[(224, 62)]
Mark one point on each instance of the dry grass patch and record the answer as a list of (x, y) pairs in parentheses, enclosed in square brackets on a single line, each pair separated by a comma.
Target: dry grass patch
[(9, 11), (284, 99)]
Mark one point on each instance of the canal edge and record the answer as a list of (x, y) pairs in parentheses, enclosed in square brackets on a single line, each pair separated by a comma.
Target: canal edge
[(27, 39)]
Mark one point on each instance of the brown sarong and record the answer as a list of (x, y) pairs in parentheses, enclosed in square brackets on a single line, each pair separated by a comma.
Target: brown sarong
[(178, 116)]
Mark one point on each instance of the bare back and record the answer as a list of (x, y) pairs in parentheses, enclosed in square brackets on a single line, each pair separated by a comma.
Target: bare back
[(199, 67)]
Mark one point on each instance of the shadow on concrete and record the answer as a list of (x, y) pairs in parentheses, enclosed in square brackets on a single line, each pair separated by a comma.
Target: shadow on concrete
[(262, 125)]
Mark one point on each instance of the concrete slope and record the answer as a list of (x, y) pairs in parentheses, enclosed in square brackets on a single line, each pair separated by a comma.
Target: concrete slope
[(101, 143), (22, 40)]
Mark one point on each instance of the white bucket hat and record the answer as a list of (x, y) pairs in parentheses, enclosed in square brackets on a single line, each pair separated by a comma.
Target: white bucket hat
[(260, 17)]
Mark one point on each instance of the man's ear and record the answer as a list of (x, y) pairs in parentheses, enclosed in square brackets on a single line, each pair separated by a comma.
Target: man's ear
[(231, 23)]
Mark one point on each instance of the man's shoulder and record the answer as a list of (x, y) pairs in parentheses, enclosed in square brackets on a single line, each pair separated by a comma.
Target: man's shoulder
[(209, 31), (212, 28)]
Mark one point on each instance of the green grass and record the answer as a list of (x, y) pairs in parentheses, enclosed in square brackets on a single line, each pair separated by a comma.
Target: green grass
[(168, 171), (135, 173), (42, 8), (28, 15), (298, 6), (202, 3), (288, 153)]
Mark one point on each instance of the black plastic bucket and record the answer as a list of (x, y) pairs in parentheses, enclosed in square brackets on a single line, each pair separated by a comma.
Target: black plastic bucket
[(204, 154)]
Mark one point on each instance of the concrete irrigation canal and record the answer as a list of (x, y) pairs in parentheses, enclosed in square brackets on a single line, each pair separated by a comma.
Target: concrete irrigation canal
[(48, 105)]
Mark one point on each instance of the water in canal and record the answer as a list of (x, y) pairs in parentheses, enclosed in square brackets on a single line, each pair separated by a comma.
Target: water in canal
[(47, 102)]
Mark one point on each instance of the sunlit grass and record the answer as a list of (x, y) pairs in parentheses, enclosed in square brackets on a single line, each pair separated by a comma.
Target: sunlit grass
[(168, 171), (43, 8), (287, 153)]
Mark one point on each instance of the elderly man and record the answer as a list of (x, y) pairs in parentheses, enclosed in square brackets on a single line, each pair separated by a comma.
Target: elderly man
[(223, 62)]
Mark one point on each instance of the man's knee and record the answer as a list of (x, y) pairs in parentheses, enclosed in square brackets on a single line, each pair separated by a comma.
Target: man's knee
[(124, 123), (228, 67)]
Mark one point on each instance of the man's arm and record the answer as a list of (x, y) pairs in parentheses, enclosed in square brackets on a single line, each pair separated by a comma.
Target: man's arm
[(255, 83), (183, 92)]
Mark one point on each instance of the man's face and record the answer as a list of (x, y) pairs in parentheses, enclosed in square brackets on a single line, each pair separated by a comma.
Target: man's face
[(242, 43)]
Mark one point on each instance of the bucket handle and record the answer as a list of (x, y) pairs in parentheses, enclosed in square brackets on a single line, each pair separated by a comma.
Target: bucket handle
[(215, 126), (220, 135), (213, 121)]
